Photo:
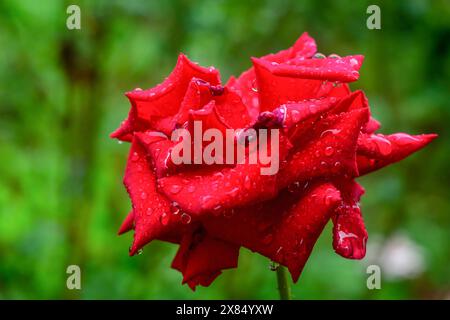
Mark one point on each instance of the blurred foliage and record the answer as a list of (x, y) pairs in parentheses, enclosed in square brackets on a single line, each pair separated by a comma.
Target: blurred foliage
[(61, 196)]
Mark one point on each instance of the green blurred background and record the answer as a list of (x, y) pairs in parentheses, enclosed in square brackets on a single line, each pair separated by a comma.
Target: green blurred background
[(61, 94)]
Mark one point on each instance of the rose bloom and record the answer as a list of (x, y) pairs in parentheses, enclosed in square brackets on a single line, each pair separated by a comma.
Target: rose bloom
[(327, 139)]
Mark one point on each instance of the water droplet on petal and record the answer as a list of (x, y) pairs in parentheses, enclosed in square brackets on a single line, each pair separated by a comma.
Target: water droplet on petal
[(175, 188), (354, 62), (149, 211), (319, 55), (185, 218), (330, 131), (247, 182), (205, 201), (254, 87), (135, 156), (328, 200), (228, 213), (279, 254), (334, 56), (191, 188), (175, 208), (329, 151), (164, 219), (143, 195), (403, 139), (267, 239), (293, 187), (233, 192), (384, 146)]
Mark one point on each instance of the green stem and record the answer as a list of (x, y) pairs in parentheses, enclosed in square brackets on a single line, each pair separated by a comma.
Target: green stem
[(283, 283)]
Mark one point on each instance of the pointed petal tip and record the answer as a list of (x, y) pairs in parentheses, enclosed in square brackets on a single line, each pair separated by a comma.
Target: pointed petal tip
[(127, 224), (133, 250), (430, 136)]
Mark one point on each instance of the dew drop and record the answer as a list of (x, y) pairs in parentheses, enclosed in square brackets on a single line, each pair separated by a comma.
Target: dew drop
[(293, 187), (175, 208), (328, 200), (135, 156), (254, 87), (295, 115), (267, 239), (185, 218), (279, 253), (233, 192), (149, 211), (175, 188), (330, 131), (143, 195), (247, 182), (329, 151), (384, 146), (228, 213), (164, 219), (334, 56), (404, 139), (354, 62), (336, 84), (191, 188), (319, 55)]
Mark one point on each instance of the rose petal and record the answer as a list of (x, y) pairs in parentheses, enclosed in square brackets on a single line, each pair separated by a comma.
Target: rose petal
[(357, 100), (349, 232), (377, 151), (158, 150), (284, 230), (296, 113), (198, 95), (163, 100), (151, 209), (231, 110), (201, 258), (207, 190), (327, 150), (245, 85), (280, 83), (127, 224), (341, 69), (304, 47)]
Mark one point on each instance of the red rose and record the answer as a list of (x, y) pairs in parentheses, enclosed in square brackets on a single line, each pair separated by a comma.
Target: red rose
[(327, 140)]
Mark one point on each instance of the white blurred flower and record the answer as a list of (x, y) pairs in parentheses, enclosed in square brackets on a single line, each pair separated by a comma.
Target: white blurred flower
[(399, 257)]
